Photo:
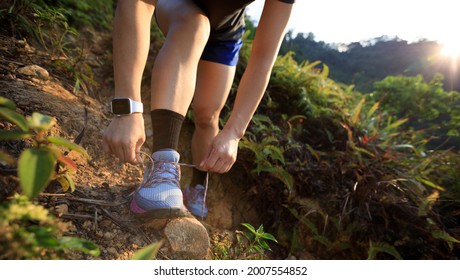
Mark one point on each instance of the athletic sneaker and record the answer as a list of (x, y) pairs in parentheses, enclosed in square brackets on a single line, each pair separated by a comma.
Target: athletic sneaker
[(159, 195), (195, 199)]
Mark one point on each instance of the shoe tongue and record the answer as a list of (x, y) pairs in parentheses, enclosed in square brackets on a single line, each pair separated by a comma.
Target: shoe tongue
[(166, 155), (199, 187)]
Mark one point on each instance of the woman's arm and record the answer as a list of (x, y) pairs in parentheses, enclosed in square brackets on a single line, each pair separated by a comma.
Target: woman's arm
[(131, 36), (267, 41), (266, 45)]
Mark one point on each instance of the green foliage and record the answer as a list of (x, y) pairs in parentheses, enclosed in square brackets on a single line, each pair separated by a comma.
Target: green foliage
[(398, 93), (36, 165), (35, 169), (269, 158), (256, 240), (28, 231), (148, 252), (375, 248), (443, 235), (362, 183), (47, 24), (363, 63), (53, 24), (41, 17), (303, 89), (250, 244), (427, 106), (84, 13)]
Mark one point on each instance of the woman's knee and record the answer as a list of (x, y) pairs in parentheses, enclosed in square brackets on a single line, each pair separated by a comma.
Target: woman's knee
[(205, 118), (182, 16)]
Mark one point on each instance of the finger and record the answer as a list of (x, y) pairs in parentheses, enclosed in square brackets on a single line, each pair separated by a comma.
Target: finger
[(132, 156), (227, 168), (106, 146), (209, 162), (219, 167), (138, 156), (129, 153), (106, 143), (139, 159), (118, 151)]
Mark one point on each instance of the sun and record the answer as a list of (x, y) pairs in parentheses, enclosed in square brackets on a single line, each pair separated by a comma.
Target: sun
[(451, 48)]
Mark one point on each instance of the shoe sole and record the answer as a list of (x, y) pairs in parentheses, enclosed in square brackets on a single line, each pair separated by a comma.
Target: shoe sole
[(164, 213)]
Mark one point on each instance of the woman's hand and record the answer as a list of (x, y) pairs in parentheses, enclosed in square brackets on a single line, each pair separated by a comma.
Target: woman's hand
[(124, 138), (222, 153)]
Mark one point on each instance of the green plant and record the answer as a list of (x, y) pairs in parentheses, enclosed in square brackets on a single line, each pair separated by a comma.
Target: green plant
[(53, 25), (365, 182), (249, 244), (74, 63), (16, 16), (435, 112), (222, 247), (304, 89), (84, 13), (47, 24), (148, 252), (379, 247), (253, 242), (28, 231), (269, 158), (36, 164)]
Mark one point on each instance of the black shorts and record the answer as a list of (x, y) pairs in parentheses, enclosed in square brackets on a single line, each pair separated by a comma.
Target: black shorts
[(227, 28), (227, 20)]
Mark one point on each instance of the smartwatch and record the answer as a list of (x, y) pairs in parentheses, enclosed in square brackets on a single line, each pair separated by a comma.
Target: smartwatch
[(126, 106)]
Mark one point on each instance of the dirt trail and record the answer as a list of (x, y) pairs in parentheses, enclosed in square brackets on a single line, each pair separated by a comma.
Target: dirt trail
[(99, 208)]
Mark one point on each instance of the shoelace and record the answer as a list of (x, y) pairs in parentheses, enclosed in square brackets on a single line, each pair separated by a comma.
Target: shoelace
[(153, 175)]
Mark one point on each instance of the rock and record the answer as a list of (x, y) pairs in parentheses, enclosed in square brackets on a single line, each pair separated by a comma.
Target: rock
[(34, 71), (187, 238), (105, 174), (109, 236), (62, 208), (106, 223), (112, 250)]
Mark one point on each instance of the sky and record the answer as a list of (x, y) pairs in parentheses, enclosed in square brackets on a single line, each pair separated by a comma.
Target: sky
[(346, 21)]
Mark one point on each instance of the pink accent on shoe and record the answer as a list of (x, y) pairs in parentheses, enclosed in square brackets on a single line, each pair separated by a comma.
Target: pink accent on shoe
[(135, 208)]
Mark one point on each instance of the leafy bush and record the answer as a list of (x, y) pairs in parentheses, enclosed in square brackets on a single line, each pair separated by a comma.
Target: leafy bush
[(363, 184), (426, 105), (49, 18), (36, 165), (249, 244), (28, 231), (53, 25)]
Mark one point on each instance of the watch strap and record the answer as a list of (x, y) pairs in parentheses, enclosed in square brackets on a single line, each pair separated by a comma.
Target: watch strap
[(136, 107)]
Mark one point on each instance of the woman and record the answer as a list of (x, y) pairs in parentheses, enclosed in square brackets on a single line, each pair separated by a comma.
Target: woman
[(197, 61)]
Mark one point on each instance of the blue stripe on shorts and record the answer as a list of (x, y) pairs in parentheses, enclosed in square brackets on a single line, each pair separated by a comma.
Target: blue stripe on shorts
[(222, 52)]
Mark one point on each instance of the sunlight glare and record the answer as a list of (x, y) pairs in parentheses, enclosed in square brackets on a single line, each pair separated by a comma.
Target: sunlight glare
[(451, 48)]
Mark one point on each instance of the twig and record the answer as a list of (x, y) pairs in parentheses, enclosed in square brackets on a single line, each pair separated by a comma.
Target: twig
[(8, 171), (95, 218), (119, 223), (74, 216), (97, 202), (5, 68), (53, 194), (14, 62)]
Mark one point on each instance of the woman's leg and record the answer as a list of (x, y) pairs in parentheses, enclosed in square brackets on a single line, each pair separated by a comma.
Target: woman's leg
[(175, 69), (214, 82), (173, 83), (174, 73)]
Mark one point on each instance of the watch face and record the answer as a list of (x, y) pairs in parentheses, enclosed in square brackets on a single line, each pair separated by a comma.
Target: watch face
[(121, 106)]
